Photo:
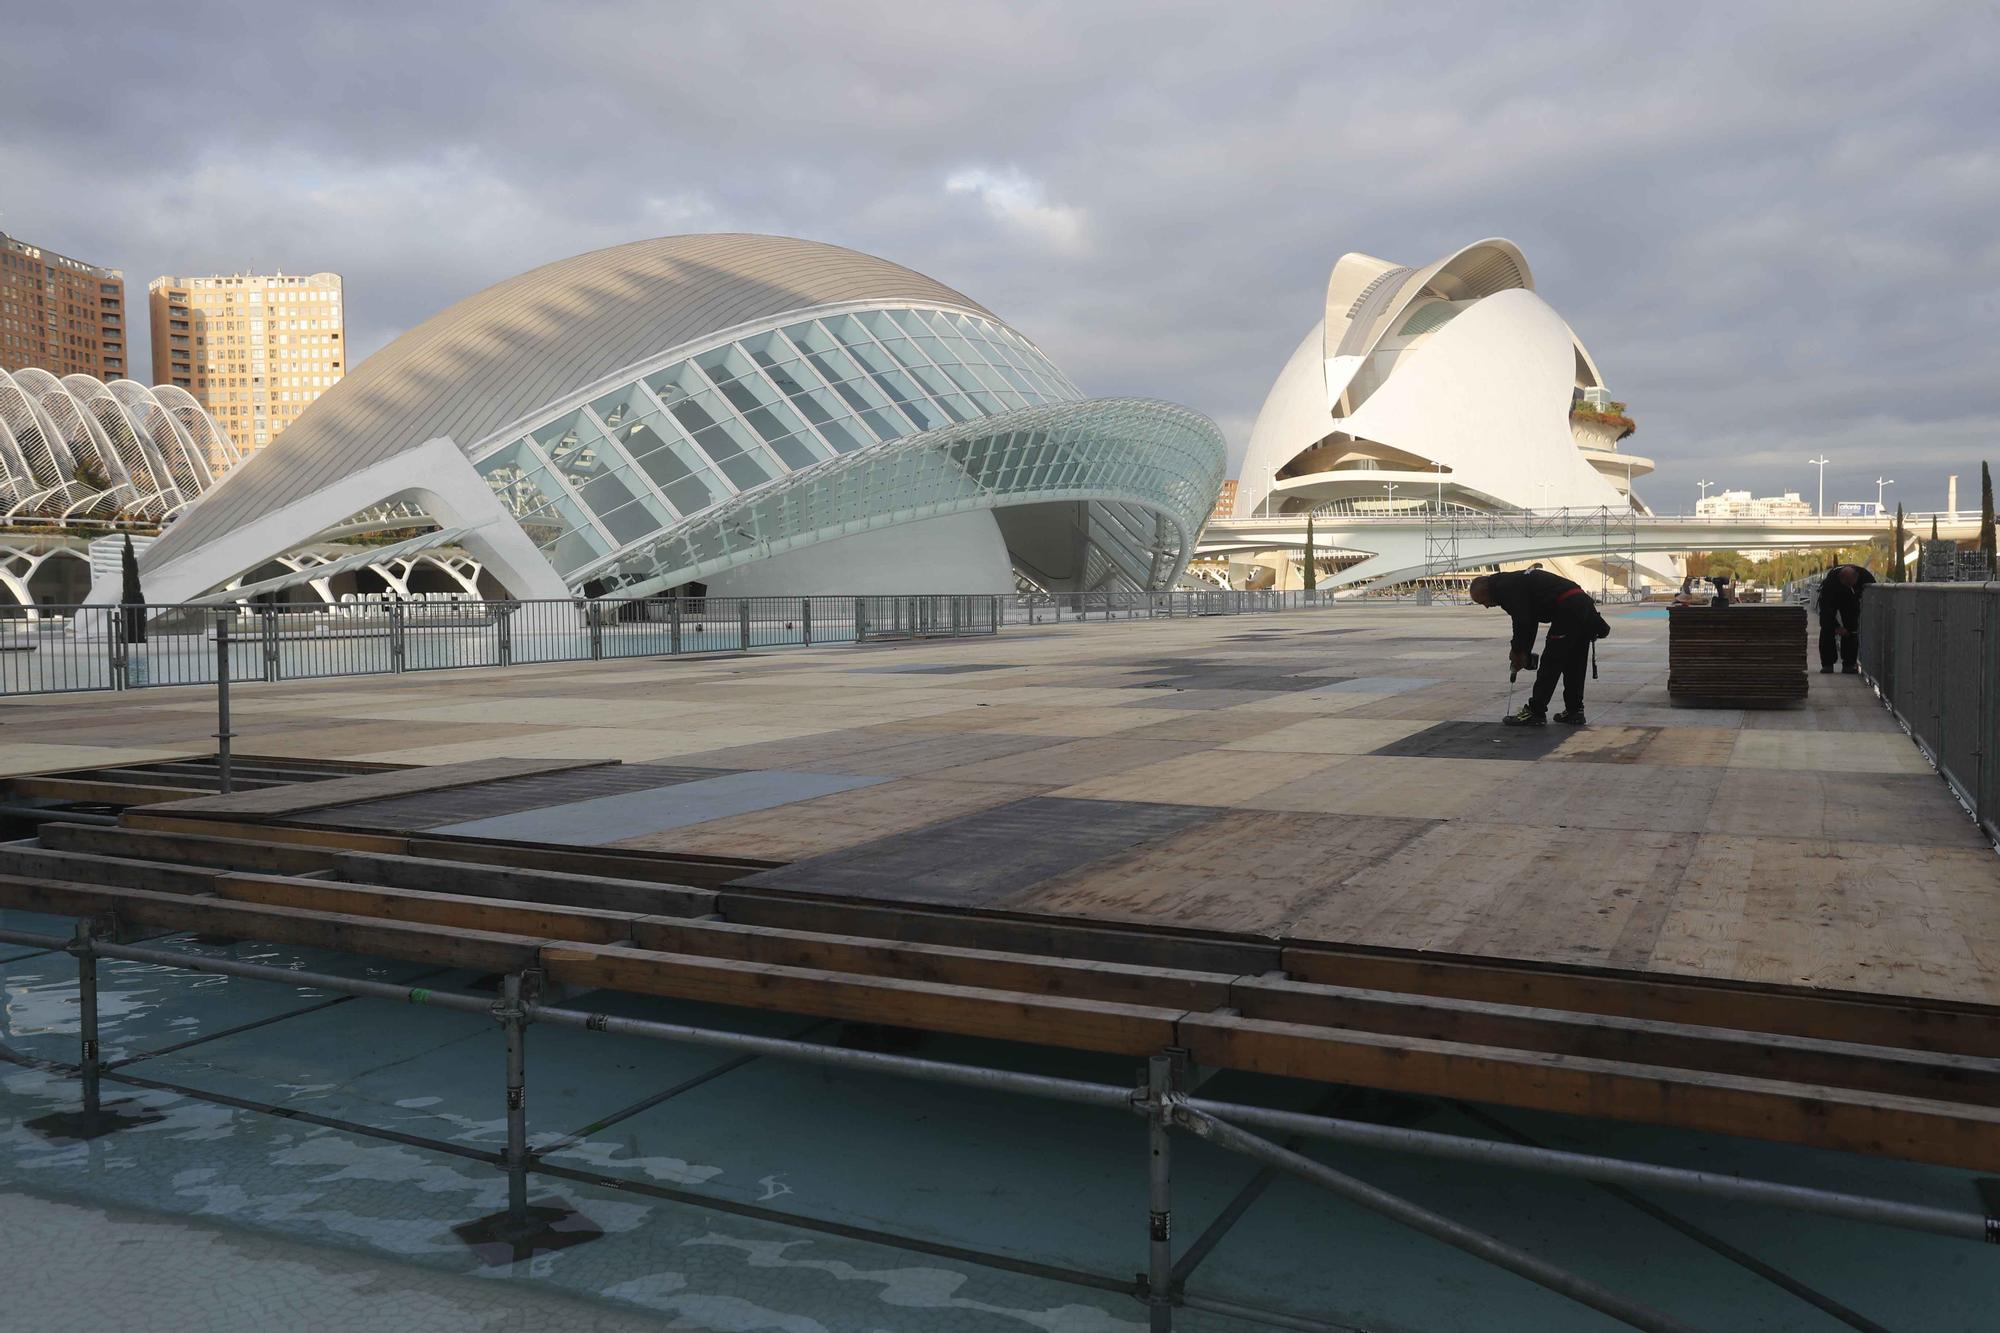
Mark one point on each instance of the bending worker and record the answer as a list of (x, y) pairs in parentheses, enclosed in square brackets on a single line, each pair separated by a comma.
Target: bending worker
[(1537, 597), (1840, 617)]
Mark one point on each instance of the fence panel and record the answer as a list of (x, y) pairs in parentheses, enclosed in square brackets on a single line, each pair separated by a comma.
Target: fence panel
[(53, 649), (1931, 650)]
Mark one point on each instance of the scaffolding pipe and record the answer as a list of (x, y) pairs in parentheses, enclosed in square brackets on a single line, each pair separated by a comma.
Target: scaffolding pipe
[(1613, 1171), (873, 1062), (1435, 1225), (1159, 1195), (513, 1023), (86, 992), (1956, 1224)]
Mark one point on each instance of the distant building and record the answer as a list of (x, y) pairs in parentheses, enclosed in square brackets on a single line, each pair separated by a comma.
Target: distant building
[(255, 350), (1740, 504), (1225, 504), (60, 314), (1857, 509)]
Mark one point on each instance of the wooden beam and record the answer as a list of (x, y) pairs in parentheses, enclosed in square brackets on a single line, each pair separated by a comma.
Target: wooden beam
[(542, 886), (339, 839), (95, 792), (1030, 973), (1831, 1016), (84, 868), (1133, 945), (1090, 1025), (702, 872), (186, 848), (1917, 1129), (447, 946), (1944, 1077), (491, 915)]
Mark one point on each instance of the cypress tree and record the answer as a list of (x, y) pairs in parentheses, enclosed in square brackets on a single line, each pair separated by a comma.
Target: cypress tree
[(131, 596), (1898, 572), (1311, 569), (1986, 516)]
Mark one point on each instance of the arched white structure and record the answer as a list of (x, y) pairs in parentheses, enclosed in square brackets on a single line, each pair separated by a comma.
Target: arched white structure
[(1453, 382), (688, 407), (76, 447)]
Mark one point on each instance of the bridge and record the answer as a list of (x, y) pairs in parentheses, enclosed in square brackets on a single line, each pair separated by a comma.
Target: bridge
[(1420, 542)]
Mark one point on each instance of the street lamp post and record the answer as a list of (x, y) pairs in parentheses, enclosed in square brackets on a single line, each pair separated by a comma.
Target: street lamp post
[(1704, 483), (1440, 468), (1819, 509), (1879, 484), (1389, 488)]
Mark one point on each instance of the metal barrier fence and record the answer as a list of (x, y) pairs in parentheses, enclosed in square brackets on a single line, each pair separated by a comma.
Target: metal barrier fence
[(1933, 651), (1084, 607), (1161, 1098), (57, 649)]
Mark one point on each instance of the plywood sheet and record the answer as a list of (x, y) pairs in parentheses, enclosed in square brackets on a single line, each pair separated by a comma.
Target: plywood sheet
[(1511, 890), (825, 824), (1244, 871), (983, 858)]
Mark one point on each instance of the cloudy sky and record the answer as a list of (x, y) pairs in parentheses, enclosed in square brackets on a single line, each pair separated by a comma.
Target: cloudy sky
[(1774, 225)]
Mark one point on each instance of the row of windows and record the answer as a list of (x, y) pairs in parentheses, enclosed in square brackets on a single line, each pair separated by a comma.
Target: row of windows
[(685, 438)]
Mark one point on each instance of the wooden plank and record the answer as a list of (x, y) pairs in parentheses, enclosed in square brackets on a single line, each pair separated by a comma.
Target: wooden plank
[(987, 969), (1917, 1129), (1090, 1025), (1835, 1016), (1637, 1041), (491, 915), (539, 886), (702, 872), (442, 945), (356, 788), (342, 839), (84, 868), (186, 848), (95, 792), (1138, 946)]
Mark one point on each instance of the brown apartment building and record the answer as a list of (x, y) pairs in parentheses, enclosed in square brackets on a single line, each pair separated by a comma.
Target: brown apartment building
[(60, 314), (254, 349)]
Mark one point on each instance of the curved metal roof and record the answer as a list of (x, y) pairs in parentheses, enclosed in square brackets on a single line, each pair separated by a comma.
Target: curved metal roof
[(505, 352)]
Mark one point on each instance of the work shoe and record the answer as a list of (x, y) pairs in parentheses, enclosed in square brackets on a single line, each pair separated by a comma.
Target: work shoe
[(1826, 671), (1850, 671), (1527, 717), (1573, 716)]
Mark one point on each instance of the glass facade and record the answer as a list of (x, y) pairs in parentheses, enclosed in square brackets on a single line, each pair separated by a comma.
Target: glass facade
[(1137, 479), (683, 441)]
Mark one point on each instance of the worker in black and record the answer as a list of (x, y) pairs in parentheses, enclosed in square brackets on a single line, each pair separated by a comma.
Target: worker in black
[(1840, 617), (1535, 597)]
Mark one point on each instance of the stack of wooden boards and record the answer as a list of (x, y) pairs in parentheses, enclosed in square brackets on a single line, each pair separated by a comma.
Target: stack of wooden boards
[(1736, 656), (1863, 1073)]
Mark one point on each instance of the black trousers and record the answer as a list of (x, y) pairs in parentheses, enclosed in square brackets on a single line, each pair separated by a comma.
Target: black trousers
[(1849, 618), (1566, 655)]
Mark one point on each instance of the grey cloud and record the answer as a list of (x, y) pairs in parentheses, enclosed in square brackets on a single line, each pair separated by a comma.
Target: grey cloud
[(1770, 222)]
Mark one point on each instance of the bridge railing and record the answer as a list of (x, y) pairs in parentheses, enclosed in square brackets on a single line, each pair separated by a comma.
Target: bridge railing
[(1933, 652)]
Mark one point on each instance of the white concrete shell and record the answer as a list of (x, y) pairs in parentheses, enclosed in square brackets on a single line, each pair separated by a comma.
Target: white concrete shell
[(680, 408), (1454, 377)]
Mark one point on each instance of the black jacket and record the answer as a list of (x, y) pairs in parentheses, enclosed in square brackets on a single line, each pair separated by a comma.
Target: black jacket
[(1530, 598), (1836, 597)]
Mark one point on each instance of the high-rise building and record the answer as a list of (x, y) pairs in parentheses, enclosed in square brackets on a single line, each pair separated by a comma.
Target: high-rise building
[(60, 314), (255, 350)]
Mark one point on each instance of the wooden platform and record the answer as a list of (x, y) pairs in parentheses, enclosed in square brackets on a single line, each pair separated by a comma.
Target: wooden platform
[(1298, 845)]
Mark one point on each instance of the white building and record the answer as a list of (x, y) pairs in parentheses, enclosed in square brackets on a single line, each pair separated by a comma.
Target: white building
[(1739, 504), (1449, 387), (754, 414)]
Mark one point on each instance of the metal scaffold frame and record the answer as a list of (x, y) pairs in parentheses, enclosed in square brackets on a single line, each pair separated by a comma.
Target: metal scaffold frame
[(1160, 1097)]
